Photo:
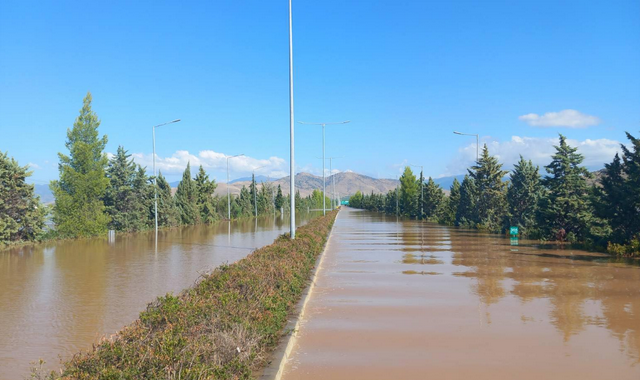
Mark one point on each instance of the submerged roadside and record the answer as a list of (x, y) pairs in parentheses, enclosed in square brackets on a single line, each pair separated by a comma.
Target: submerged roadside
[(222, 327)]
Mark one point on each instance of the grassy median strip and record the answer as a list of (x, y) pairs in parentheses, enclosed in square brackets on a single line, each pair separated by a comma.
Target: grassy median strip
[(221, 328)]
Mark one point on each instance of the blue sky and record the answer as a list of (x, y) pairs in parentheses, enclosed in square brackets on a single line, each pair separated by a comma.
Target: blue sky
[(406, 73)]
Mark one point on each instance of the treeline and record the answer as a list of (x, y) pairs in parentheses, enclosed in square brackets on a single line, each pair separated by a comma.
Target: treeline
[(95, 193), (567, 204)]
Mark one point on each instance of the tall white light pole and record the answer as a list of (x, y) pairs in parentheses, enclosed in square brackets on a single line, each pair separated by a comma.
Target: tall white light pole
[(228, 196), (477, 142), (292, 176), (255, 190), (324, 204), (155, 176), (421, 190)]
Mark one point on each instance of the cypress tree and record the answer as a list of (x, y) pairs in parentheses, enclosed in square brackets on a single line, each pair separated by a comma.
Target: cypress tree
[(245, 203), (186, 199), (168, 214), (125, 201), (21, 214), (79, 209), (524, 194), (450, 205), (490, 191), (566, 213), (434, 200), (279, 199), (408, 193), (204, 196), (465, 214)]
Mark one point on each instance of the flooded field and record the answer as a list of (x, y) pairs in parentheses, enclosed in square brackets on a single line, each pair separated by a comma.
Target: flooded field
[(401, 299), (58, 298)]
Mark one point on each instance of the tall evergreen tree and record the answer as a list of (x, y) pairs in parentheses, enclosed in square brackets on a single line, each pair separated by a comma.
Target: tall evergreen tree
[(205, 188), (434, 200), (279, 199), (490, 207), (451, 206), (186, 199), (524, 194), (566, 213), (408, 193), (168, 213), (465, 215), (125, 201), (631, 158), (245, 203), (21, 214), (79, 193)]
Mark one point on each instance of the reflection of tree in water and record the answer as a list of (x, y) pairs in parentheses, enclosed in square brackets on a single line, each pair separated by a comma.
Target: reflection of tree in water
[(488, 265), (567, 284)]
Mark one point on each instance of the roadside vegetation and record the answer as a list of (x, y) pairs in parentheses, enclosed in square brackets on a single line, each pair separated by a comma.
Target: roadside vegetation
[(96, 193), (221, 328), (567, 204)]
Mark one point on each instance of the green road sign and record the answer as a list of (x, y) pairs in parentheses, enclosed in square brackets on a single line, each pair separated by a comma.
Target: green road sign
[(513, 230)]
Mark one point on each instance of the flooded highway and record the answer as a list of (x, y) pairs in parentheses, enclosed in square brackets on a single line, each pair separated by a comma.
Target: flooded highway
[(61, 297), (403, 299)]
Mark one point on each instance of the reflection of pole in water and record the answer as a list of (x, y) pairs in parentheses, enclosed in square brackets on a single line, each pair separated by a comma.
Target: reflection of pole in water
[(229, 233)]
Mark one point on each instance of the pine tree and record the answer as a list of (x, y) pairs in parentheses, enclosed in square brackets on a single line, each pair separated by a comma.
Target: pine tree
[(566, 213), (524, 194), (79, 209), (451, 204), (279, 199), (465, 215), (631, 158), (168, 213), (186, 199), (408, 193), (21, 214), (491, 204), (125, 201), (433, 200), (204, 196), (245, 204)]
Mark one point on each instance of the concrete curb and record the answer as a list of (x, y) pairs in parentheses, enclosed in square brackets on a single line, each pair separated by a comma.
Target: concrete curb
[(280, 356)]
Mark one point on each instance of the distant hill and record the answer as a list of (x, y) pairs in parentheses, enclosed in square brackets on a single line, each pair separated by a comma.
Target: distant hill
[(259, 179), (345, 183), (446, 182), (46, 196)]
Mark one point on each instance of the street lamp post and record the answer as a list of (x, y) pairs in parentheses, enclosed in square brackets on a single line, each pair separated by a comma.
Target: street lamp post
[(229, 196), (333, 180), (421, 190), (324, 205), (255, 189), (155, 176), (477, 142), (292, 177)]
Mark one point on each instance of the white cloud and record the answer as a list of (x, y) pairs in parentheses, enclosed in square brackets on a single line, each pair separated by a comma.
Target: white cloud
[(31, 165), (212, 161), (539, 150), (565, 118)]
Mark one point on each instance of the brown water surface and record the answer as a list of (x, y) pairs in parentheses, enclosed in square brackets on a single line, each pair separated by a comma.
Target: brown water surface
[(402, 299), (58, 298)]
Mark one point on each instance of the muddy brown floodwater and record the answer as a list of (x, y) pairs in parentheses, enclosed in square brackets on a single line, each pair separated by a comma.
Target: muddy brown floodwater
[(58, 298), (401, 299)]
